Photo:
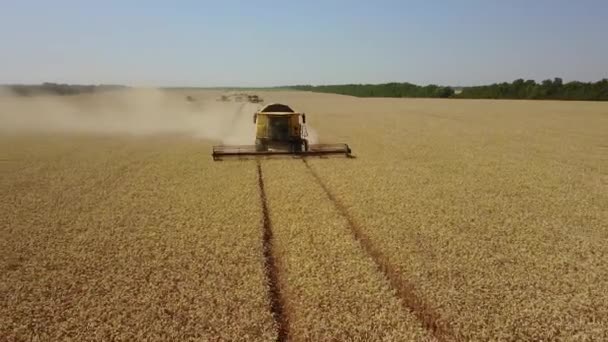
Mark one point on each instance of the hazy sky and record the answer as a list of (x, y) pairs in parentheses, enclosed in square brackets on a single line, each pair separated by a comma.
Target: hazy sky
[(263, 43)]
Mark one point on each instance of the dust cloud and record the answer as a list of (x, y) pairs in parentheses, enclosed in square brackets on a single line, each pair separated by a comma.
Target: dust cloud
[(133, 112), (312, 136)]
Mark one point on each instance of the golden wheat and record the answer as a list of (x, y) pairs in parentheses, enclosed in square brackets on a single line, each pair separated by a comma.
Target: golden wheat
[(332, 289), (133, 240), (458, 220), (494, 210)]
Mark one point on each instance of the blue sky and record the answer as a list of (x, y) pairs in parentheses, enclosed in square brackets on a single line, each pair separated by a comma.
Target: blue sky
[(265, 43)]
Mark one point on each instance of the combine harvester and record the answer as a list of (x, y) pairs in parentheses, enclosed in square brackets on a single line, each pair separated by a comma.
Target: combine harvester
[(254, 99), (280, 131)]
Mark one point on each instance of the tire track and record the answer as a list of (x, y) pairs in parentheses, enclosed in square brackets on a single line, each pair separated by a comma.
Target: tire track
[(271, 268), (430, 319)]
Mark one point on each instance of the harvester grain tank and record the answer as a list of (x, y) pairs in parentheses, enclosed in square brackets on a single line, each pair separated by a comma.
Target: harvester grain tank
[(280, 131)]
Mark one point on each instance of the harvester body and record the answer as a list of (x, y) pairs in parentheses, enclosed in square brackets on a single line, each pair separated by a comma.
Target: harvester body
[(278, 127)]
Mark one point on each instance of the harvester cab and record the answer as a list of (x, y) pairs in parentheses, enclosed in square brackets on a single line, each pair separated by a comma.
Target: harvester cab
[(280, 131)]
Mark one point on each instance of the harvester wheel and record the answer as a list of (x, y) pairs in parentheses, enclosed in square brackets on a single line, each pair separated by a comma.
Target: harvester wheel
[(301, 146), (260, 146)]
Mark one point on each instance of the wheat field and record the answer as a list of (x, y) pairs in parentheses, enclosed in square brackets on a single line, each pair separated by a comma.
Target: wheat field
[(458, 220)]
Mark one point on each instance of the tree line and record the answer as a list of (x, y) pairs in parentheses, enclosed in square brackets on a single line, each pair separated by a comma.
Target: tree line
[(59, 89), (554, 89), (382, 90)]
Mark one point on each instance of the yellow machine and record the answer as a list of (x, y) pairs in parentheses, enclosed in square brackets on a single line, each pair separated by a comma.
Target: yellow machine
[(280, 131)]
